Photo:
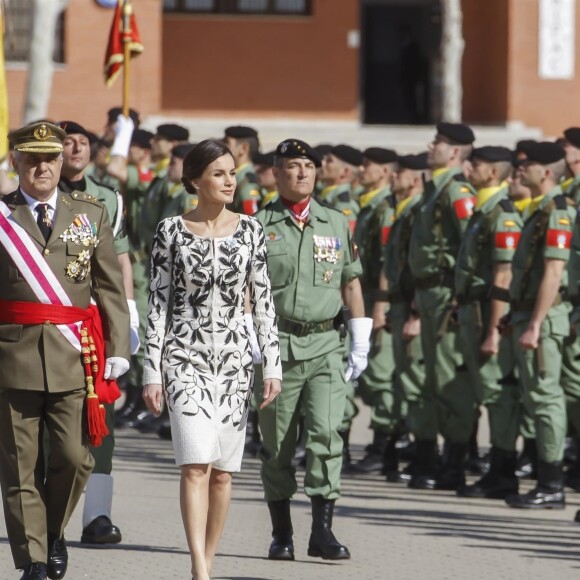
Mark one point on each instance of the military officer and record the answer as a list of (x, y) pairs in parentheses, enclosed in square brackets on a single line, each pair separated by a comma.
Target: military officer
[(340, 166), (65, 257), (396, 289), (440, 222), (243, 142), (97, 525), (482, 277), (313, 270), (540, 317), (376, 385)]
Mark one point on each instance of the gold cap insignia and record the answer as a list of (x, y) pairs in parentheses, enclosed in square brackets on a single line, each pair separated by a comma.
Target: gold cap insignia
[(40, 137)]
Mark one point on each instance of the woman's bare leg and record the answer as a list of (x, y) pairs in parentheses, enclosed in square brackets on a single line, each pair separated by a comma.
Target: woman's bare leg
[(220, 494), (194, 495)]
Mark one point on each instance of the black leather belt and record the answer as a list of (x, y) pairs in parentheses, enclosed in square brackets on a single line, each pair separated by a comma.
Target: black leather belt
[(298, 328)]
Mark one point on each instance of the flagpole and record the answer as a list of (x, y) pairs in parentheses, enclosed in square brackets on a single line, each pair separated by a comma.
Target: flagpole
[(127, 10)]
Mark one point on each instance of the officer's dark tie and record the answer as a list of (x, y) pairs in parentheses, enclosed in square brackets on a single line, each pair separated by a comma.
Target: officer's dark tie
[(43, 220)]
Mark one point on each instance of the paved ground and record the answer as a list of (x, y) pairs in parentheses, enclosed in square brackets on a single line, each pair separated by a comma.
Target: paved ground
[(392, 532)]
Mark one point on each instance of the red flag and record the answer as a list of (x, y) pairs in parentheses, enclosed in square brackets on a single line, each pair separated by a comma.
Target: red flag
[(115, 57)]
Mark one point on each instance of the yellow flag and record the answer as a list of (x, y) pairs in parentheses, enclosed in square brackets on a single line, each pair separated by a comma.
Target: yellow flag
[(3, 94)]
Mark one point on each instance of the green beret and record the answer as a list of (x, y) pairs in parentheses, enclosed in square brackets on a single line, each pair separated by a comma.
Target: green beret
[(142, 138), (172, 132), (294, 148), (380, 155), (545, 153), (72, 128), (523, 144), (492, 154), (414, 162), (572, 135), (240, 132), (264, 159), (39, 137), (457, 133), (182, 150), (347, 154), (323, 149)]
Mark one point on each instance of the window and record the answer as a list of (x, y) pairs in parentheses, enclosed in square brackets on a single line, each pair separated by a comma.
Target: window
[(19, 33), (290, 7)]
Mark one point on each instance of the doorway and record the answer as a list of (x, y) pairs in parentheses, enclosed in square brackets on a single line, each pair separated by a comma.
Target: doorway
[(400, 61)]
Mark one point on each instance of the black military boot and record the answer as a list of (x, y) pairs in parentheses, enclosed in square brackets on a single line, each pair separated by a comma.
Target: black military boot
[(132, 404), (476, 463), (548, 493), (282, 547), (372, 462), (391, 461), (572, 475), (527, 463), (423, 473), (499, 482), (346, 458), (451, 476), (322, 543)]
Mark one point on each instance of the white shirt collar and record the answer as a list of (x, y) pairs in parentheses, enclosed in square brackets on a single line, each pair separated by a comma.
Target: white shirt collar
[(33, 203)]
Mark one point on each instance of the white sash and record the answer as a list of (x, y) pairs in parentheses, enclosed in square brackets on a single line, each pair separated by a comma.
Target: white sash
[(34, 269)]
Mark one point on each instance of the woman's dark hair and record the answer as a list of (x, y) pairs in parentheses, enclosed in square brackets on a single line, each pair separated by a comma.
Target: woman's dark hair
[(202, 154)]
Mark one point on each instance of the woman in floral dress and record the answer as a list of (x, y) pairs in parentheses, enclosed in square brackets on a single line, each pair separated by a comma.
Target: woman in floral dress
[(198, 341)]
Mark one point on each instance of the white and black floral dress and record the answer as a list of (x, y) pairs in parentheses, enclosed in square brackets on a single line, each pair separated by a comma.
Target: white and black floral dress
[(196, 341)]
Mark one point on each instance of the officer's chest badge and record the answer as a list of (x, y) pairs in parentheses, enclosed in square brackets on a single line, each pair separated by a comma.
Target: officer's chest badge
[(327, 276), (81, 232), (327, 249), (80, 268), (274, 237)]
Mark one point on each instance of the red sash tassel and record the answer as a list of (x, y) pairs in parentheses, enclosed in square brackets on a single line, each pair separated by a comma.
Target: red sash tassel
[(99, 390)]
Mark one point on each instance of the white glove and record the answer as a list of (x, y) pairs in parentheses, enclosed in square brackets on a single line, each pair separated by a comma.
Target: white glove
[(123, 132), (254, 346), (360, 344), (115, 366), (134, 328)]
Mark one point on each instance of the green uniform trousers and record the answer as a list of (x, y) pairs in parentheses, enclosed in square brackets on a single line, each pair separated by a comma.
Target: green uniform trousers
[(409, 368), (39, 499), (317, 388), (377, 385), (141, 296), (447, 403), (571, 380), (492, 378), (544, 395)]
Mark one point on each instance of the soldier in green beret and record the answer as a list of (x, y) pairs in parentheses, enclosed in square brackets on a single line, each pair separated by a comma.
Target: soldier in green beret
[(314, 271), (540, 317), (482, 278), (447, 407), (377, 384), (397, 290), (243, 142), (340, 167)]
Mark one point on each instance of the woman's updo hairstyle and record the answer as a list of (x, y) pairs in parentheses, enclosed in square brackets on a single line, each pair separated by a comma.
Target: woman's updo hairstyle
[(196, 161)]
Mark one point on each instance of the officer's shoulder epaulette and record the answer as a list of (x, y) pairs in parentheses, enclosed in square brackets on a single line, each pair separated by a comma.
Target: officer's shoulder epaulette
[(87, 197), (460, 177), (390, 199), (507, 206), (104, 185), (344, 196), (251, 177)]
